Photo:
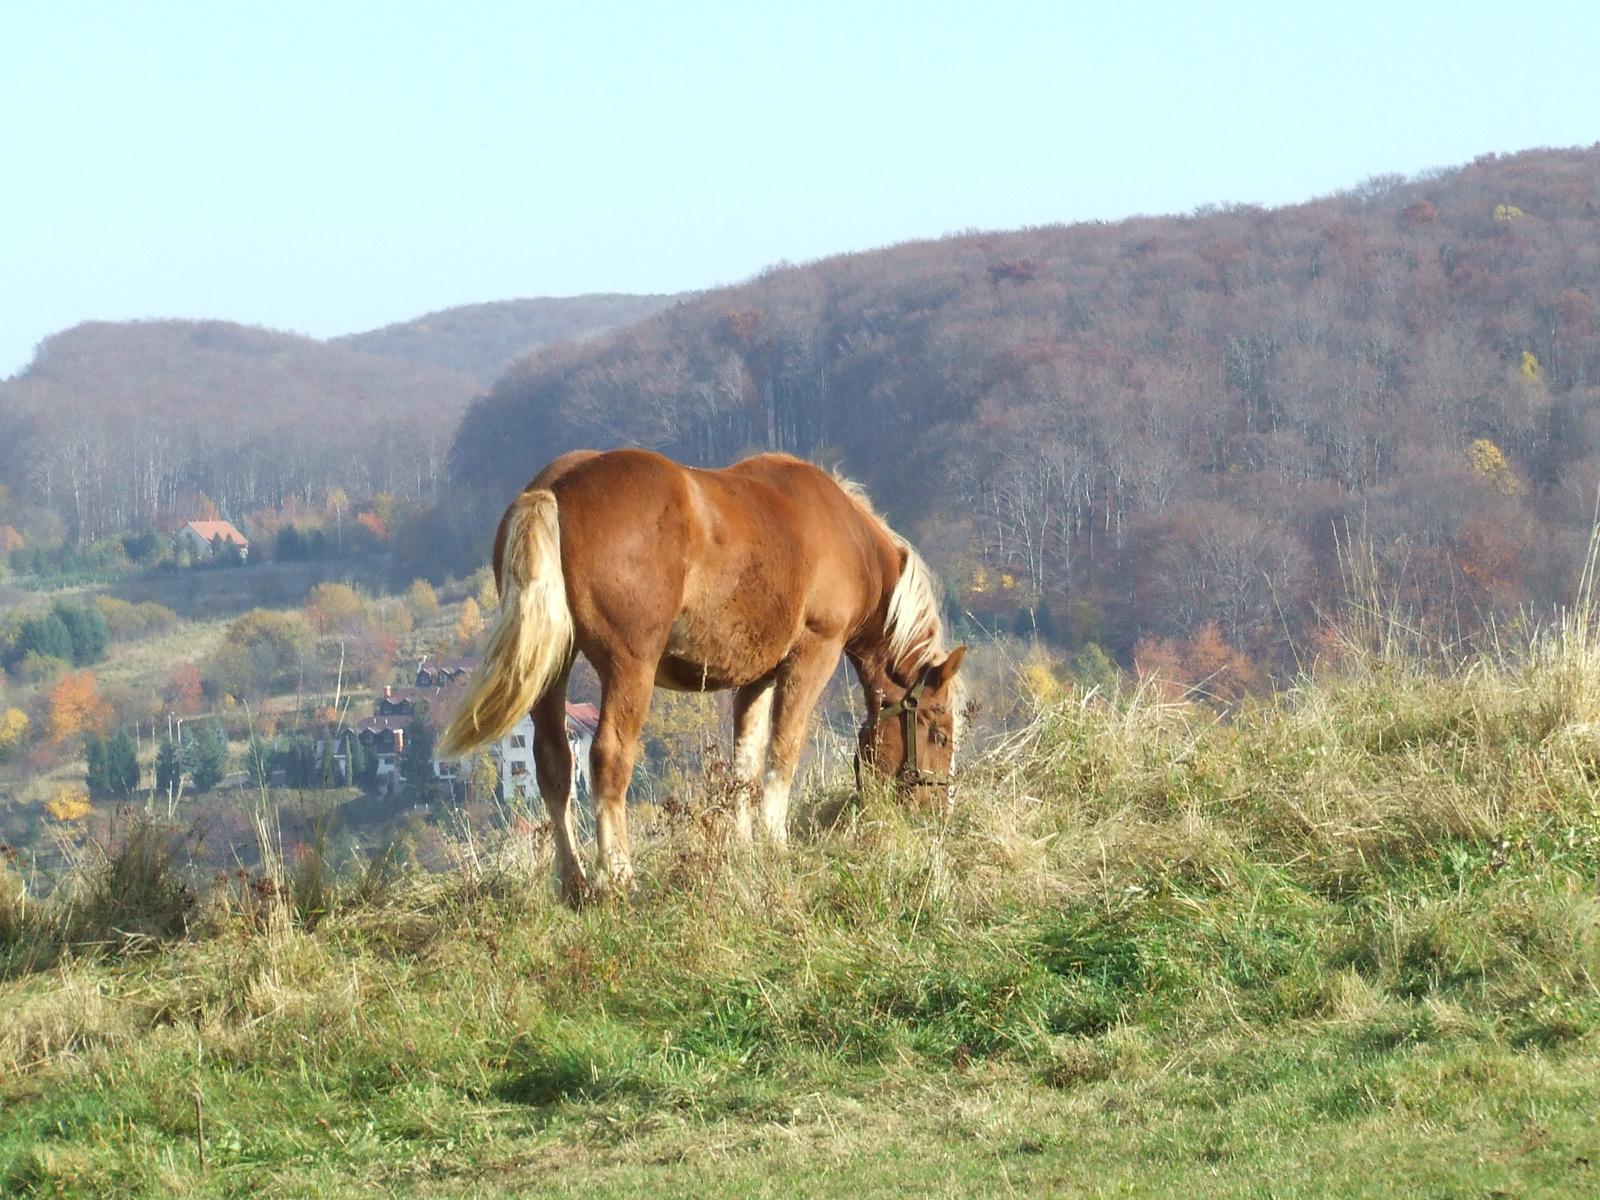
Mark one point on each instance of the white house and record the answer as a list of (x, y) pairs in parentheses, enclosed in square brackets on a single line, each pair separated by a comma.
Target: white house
[(513, 755)]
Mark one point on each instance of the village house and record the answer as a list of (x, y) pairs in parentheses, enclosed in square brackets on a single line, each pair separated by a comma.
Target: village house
[(438, 672), (200, 537), (383, 734), (385, 739), (513, 754)]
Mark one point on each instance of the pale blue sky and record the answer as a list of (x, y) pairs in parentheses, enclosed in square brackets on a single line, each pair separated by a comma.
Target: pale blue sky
[(330, 167)]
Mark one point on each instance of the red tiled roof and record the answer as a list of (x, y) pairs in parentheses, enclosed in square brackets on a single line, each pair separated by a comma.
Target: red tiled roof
[(210, 530), (586, 715)]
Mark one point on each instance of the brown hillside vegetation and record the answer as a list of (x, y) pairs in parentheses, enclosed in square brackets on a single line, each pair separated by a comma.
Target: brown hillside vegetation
[(1156, 426), (125, 425), (129, 425), (482, 340)]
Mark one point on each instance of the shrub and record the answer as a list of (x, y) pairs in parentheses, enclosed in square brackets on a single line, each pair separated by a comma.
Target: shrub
[(143, 548), (137, 891), (263, 650), (68, 804), (129, 622), (14, 725)]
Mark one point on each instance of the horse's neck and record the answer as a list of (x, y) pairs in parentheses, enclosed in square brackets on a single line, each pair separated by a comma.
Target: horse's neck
[(869, 649), (875, 674)]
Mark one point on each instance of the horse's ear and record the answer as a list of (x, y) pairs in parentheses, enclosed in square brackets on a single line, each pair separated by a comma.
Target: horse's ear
[(946, 671)]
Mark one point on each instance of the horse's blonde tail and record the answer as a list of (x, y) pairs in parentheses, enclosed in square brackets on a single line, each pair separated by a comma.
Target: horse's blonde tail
[(532, 640)]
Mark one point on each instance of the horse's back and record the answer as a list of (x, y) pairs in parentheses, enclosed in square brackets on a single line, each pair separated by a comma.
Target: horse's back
[(717, 572)]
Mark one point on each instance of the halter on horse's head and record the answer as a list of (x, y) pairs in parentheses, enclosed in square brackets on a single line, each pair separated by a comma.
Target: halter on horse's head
[(913, 740)]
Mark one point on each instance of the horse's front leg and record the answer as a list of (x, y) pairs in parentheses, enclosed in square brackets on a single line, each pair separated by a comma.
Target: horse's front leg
[(752, 731), (800, 680), (624, 704)]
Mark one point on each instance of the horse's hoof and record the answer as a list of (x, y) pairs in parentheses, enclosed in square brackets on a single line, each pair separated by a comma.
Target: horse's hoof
[(574, 890)]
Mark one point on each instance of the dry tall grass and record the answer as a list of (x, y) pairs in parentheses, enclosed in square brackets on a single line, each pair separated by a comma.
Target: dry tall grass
[(1399, 845)]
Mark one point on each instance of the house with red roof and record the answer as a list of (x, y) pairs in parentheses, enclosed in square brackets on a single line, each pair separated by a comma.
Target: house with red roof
[(201, 536)]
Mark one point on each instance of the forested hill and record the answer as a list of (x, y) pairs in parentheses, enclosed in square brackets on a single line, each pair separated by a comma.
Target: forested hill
[(481, 340), (1154, 427), (118, 426), (124, 426)]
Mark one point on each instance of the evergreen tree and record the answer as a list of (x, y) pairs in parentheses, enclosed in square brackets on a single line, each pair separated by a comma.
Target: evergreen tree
[(416, 760), (258, 762), (45, 636), (207, 758), (94, 757), (289, 546), (363, 765), (142, 547), (169, 769), (122, 765), (87, 631), (298, 762)]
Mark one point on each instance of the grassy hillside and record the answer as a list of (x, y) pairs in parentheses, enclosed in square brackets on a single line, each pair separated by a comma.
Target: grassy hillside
[(482, 340), (1345, 942)]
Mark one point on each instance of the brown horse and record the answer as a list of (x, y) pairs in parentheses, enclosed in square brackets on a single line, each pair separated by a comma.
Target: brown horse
[(755, 578)]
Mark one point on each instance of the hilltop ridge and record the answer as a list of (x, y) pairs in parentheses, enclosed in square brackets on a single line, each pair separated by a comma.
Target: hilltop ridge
[(482, 340)]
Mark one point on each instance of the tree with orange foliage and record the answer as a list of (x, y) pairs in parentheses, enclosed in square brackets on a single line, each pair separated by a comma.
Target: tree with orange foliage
[(1217, 669), (77, 707), (183, 689), (469, 623), (1159, 665)]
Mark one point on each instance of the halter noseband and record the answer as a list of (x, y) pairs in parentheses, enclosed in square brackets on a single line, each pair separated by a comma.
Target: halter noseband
[(910, 772)]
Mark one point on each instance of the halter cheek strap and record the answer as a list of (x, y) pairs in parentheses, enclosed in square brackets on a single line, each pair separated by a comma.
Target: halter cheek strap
[(906, 710)]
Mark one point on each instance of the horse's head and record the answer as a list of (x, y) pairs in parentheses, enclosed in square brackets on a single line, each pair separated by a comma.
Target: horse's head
[(912, 739)]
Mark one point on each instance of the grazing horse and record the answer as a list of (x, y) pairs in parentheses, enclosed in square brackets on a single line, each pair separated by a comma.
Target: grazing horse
[(756, 578)]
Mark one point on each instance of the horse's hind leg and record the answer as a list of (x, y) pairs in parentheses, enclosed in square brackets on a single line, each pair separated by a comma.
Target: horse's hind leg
[(625, 702), (752, 732), (552, 757), (800, 681)]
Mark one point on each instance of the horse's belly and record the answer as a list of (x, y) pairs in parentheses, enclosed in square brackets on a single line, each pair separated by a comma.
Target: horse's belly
[(683, 675), (708, 655)]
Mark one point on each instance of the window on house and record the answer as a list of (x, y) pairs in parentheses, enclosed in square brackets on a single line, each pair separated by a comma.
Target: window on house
[(519, 768), (519, 742)]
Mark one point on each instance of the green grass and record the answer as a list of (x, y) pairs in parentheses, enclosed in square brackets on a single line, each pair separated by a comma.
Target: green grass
[(1346, 943)]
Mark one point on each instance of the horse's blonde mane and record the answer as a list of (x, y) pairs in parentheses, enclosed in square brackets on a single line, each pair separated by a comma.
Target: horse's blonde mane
[(912, 627)]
